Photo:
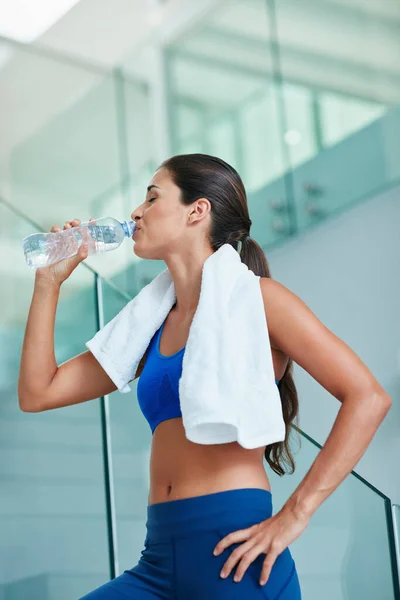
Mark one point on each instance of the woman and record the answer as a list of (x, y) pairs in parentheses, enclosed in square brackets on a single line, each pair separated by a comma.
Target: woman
[(210, 517)]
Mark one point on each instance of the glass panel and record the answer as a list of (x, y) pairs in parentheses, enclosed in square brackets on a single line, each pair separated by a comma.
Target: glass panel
[(396, 518), (59, 136), (343, 58), (131, 439), (190, 117), (223, 69), (136, 139), (76, 143), (342, 116), (53, 541), (222, 140), (260, 139), (136, 151), (300, 127), (345, 538)]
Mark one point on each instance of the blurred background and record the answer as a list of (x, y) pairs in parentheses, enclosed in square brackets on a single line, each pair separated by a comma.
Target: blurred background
[(303, 99)]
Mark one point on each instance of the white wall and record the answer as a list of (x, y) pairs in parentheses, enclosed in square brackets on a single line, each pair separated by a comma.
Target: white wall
[(347, 271)]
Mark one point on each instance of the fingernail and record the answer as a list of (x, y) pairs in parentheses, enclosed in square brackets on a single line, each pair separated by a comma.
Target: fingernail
[(236, 579), (223, 575)]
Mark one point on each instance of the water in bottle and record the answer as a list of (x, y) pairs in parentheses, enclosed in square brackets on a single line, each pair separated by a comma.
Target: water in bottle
[(101, 235)]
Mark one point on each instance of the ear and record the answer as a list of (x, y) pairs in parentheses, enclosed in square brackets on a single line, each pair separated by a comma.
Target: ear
[(199, 209)]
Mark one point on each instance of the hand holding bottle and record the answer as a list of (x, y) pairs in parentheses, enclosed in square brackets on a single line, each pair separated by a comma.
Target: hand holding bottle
[(58, 272), (101, 235)]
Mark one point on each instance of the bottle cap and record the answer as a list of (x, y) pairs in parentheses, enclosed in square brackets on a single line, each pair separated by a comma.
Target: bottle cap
[(129, 228)]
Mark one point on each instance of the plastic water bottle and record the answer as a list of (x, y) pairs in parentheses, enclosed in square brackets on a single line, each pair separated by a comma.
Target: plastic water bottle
[(101, 235)]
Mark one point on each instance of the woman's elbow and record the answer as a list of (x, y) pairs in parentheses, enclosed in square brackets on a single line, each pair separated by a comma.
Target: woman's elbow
[(28, 403)]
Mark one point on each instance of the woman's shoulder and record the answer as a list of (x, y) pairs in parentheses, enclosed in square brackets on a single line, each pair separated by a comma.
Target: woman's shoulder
[(283, 310), (272, 292)]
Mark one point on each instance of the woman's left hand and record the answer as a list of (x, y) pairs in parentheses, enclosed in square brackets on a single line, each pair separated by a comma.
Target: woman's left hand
[(271, 536)]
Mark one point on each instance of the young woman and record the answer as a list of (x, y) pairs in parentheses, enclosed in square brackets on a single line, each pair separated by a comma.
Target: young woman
[(210, 529)]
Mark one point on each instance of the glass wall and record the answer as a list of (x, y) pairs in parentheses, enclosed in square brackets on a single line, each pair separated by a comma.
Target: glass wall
[(74, 143), (302, 98), (346, 56)]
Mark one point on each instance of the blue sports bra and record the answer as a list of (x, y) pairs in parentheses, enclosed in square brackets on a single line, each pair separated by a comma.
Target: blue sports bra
[(158, 384)]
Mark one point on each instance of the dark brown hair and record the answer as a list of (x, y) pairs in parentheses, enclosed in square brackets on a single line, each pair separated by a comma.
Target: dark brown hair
[(204, 176)]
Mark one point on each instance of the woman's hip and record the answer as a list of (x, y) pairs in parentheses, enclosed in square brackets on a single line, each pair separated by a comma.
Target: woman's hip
[(188, 516)]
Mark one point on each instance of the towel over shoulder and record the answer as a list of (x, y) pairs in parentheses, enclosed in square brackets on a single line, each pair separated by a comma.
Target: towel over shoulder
[(227, 388)]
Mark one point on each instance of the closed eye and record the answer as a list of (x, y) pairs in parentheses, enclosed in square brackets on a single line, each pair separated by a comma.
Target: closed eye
[(150, 199)]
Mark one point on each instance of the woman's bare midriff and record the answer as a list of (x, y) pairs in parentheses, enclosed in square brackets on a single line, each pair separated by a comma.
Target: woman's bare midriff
[(181, 469)]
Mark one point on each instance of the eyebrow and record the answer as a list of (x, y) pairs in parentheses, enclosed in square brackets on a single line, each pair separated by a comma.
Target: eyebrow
[(152, 186)]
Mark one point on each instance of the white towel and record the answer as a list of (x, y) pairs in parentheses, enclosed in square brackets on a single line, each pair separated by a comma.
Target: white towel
[(227, 388)]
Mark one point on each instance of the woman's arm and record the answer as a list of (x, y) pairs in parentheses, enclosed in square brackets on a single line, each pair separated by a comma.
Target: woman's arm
[(294, 329), (38, 363), (42, 384)]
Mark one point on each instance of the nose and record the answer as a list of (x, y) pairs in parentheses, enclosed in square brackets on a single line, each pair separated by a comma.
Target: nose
[(135, 216)]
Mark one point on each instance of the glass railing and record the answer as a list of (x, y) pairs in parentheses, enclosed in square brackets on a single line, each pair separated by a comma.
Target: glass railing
[(396, 529), (53, 539), (130, 450), (352, 533), (74, 481)]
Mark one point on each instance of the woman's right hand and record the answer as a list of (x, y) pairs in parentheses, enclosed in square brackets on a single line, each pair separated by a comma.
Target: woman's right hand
[(58, 272)]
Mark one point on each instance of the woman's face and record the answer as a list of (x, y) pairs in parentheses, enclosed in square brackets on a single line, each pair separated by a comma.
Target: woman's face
[(161, 219)]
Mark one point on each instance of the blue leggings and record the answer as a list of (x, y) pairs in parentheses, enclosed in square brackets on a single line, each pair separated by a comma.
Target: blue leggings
[(177, 562)]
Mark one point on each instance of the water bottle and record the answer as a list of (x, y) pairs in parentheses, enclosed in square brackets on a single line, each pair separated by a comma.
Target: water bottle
[(101, 235)]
